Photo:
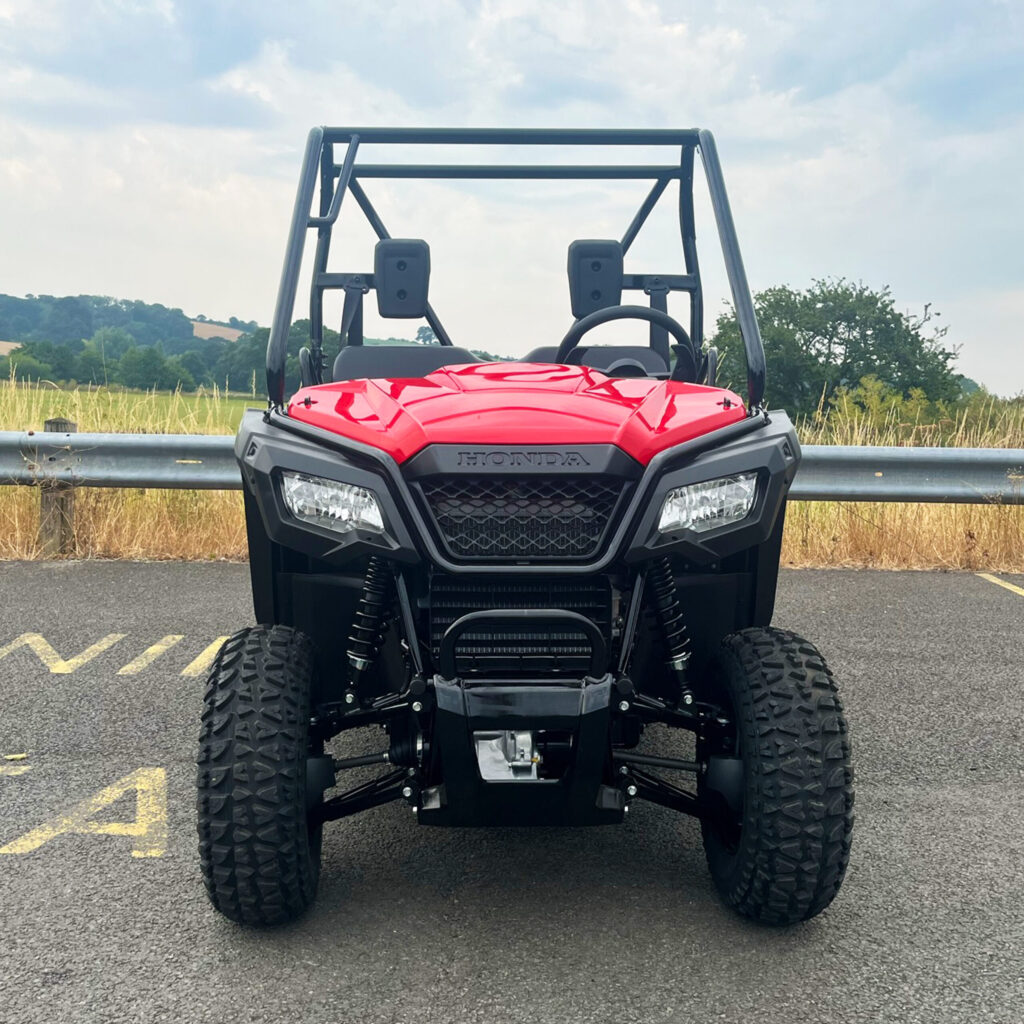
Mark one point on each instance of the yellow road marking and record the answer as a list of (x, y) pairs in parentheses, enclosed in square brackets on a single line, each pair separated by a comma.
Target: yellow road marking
[(1013, 588), (149, 829), (150, 654), (51, 659), (10, 769), (202, 664)]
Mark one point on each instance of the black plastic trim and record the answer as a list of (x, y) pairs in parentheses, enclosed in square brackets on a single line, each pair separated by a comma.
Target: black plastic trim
[(774, 454), (762, 442), (263, 453), (522, 460), (581, 797), (524, 616)]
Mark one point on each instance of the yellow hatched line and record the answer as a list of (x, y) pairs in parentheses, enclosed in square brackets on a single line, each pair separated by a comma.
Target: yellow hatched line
[(1012, 587), (10, 767), (150, 654), (202, 663), (38, 644)]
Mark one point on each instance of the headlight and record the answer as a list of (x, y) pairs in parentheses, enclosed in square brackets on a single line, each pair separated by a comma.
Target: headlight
[(708, 505), (328, 503)]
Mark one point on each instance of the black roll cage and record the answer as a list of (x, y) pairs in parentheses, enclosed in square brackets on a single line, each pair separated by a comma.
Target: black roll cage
[(335, 179)]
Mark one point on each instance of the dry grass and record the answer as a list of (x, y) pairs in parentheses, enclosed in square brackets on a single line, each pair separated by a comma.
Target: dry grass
[(141, 524), (208, 524), (891, 536), (127, 523), (901, 536)]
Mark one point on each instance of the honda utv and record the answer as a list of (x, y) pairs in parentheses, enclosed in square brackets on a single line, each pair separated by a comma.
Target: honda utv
[(514, 569)]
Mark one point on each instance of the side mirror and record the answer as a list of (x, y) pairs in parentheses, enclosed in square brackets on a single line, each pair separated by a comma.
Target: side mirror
[(401, 274), (595, 276)]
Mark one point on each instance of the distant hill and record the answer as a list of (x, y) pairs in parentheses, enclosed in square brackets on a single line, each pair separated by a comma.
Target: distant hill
[(93, 339), (70, 319)]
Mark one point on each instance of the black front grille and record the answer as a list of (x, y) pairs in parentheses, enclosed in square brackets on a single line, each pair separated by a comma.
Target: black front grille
[(499, 518), (518, 649)]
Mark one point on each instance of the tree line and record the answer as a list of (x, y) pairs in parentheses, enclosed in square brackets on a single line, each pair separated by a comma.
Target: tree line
[(819, 342), (825, 339), (94, 339), (113, 356)]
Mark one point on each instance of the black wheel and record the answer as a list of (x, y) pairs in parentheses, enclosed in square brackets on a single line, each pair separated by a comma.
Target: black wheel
[(778, 850), (259, 849)]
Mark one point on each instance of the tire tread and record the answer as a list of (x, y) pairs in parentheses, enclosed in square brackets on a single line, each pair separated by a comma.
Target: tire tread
[(257, 861), (798, 816)]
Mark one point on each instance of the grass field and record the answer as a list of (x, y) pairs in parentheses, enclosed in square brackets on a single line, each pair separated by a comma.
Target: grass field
[(26, 407), (208, 524)]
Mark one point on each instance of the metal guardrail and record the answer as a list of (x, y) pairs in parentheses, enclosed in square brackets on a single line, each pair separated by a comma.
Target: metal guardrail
[(862, 473), (205, 462), (174, 461)]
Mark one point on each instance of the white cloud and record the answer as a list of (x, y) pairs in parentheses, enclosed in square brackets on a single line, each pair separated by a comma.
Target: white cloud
[(173, 179)]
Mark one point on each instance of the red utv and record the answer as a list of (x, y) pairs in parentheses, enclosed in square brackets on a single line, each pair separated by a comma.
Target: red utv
[(515, 568)]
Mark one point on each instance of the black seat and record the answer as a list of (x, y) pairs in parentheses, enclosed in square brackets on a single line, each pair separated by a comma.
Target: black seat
[(356, 362), (615, 360), (544, 354)]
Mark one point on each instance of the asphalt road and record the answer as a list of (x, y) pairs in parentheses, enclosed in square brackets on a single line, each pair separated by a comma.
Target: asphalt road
[(430, 925)]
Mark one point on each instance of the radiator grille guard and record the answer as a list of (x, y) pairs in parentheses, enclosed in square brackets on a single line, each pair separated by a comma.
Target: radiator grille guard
[(514, 650), (501, 519)]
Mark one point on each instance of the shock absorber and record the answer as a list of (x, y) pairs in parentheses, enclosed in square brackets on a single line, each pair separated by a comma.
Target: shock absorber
[(370, 621), (677, 638)]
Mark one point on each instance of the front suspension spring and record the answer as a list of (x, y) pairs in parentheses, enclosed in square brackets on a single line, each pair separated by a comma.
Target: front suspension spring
[(677, 637), (371, 619)]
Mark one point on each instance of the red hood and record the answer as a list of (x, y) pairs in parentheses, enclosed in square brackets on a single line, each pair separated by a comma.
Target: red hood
[(516, 404)]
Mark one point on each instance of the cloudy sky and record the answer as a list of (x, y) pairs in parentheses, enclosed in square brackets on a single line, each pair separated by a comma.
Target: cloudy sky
[(150, 150)]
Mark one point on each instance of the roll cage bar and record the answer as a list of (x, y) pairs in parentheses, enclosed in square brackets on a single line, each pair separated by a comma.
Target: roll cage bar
[(319, 166)]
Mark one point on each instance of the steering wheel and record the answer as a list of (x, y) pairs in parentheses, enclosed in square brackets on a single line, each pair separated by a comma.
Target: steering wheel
[(655, 316)]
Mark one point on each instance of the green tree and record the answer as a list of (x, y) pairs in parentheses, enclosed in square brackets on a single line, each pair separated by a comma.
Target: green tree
[(60, 359), (112, 343), (196, 366), (68, 319), (176, 375), (142, 368), (25, 366), (425, 336), (832, 335), (92, 368)]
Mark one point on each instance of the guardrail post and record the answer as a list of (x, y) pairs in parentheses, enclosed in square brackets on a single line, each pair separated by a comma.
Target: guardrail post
[(57, 505)]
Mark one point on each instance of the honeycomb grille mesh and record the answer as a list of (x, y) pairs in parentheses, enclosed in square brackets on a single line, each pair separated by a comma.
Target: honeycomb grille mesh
[(504, 518)]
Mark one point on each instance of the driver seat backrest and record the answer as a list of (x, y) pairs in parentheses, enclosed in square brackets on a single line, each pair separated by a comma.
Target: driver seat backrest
[(401, 275), (356, 362)]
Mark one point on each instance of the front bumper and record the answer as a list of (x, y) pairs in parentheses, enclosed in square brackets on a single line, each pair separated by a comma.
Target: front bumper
[(581, 796), (265, 446)]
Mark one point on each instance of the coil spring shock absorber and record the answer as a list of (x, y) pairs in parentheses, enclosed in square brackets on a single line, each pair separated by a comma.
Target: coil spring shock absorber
[(370, 622), (677, 638)]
